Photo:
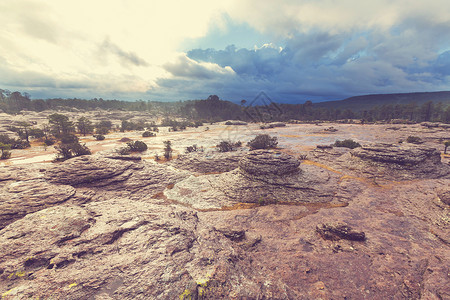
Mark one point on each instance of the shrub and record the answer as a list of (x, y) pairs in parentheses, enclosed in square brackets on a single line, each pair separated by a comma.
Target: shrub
[(49, 142), (137, 146), (69, 139), (5, 151), (225, 146), (14, 143), (192, 148), (414, 140), (351, 144), (446, 145), (20, 144), (148, 134), (124, 151), (66, 151), (102, 130), (99, 137), (5, 154), (263, 141), (168, 149)]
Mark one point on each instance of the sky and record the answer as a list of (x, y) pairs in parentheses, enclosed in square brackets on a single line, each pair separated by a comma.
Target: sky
[(293, 50)]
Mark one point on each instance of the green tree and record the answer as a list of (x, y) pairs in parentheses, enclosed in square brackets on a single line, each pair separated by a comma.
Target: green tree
[(24, 131), (60, 125), (84, 126)]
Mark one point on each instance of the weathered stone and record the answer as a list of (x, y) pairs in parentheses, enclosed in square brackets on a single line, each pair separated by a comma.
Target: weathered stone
[(444, 195), (86, 169), (263, 177), (404, 162), (339, 231), (268, 162), (116, 239), (208, 162), (19, 198), (140, 178)]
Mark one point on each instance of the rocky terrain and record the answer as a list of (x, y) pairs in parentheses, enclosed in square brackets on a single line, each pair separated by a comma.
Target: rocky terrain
[(333, 223)]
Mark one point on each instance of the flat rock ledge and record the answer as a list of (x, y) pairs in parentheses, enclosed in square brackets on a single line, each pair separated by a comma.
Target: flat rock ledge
[(399, 161)]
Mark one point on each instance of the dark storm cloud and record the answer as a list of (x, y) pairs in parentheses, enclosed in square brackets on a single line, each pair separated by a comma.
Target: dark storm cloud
[(403, 59)]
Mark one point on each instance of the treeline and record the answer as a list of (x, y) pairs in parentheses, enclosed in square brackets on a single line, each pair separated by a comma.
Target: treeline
[(14, 102), (427, 112), (213, 109)]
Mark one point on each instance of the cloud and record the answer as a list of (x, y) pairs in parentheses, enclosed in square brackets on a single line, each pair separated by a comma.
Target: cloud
[(125, 57), (291, 16), (321, 49), (188, 68)]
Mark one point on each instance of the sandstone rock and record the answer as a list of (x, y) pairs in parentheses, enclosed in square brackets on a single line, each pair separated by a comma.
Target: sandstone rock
[(115, 239), (340, 231), (208, 162), (444, 195), (19, 198), (267, 162), (263, 177), (235, 122), (86, 169), (140, 178), (399, 162)]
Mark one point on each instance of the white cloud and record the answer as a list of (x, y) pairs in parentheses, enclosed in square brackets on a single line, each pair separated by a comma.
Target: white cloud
[(88, 40), (191, 69)]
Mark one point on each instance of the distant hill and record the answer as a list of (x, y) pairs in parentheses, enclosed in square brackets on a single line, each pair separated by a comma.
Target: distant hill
[(366, 102)]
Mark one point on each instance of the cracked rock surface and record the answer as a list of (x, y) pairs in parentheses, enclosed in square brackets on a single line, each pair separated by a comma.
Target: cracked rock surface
[(265, 227)]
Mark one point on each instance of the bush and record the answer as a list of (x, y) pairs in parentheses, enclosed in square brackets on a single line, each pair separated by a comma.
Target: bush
[(137, 146), (102, 130), (124, 151), (20, 144), (148, 134), (69, 139), (5, 154), (263, 141), (192, 148), (225, 146), (347, 144), (5, 151), (15, 143), (446, 145), (49, 142), (99, 137), (66, 151), (414, 140), (168, 149)]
